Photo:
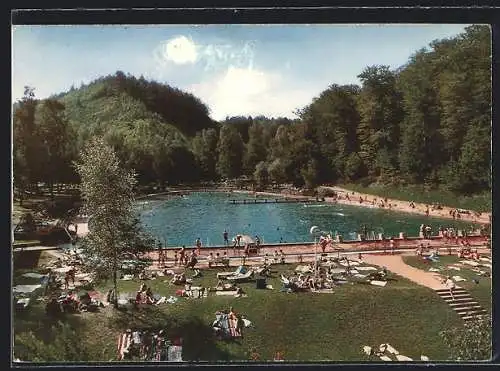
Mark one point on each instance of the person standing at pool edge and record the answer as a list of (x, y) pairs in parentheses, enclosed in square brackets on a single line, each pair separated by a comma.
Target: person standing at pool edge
[(226, 237), (198, 246)]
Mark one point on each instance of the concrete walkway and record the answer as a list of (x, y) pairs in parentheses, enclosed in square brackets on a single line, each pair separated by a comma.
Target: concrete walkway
[(395, 264)]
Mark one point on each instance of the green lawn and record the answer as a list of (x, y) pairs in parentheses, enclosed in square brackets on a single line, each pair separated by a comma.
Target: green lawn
[(481, 291), (480, 202), (304, 326)]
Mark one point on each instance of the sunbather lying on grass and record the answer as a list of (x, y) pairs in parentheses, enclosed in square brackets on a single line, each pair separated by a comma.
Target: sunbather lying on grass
[(178, 279)]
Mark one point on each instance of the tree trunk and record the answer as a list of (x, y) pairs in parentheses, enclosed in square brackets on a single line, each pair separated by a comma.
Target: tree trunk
[(115, 286)]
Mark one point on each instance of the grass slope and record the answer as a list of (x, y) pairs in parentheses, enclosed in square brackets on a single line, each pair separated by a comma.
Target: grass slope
[(304, 326)]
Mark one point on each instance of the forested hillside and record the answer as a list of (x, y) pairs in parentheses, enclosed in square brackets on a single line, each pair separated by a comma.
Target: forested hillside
[(428, 122)]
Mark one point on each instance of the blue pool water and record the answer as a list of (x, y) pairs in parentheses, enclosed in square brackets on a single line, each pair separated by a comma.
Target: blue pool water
[(180, 221)]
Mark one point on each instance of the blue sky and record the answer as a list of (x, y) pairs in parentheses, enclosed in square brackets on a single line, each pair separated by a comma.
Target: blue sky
[(234, 69)]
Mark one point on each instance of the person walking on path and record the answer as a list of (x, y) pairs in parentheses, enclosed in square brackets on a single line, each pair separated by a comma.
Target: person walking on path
[(450, 284)]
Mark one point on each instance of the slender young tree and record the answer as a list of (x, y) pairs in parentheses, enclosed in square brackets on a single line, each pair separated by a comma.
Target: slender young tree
[(107, 190)]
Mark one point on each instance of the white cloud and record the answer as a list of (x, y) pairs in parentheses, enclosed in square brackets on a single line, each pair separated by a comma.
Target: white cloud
[(180, 50), (246, 91)]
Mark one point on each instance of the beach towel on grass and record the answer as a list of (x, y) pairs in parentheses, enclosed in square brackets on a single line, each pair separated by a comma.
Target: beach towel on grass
[(378, 283), (226, 293), (324, 291), (434, 270), (358, 275), (34, 275), (337, 270), (470, 262), (22, 303), (367, 350), (222, 321), (385, 358), (62, 270), (366, 268), (303, 269), (25, 288), (391, 349), (485, 260), (458, 278), (454, 268), (403, 358)]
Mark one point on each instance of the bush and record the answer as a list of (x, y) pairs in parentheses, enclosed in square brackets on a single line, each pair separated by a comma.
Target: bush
[(65, 345), (471, 342)]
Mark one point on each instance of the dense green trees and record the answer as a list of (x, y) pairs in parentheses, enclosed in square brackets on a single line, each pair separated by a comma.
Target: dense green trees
[(427, 122), (107, 190)]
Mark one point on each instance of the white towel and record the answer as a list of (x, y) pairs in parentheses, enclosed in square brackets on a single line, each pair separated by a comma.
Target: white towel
[(385, 358), (455, 268), (359, 275), (378, 283), (391, 349), (470, 262), (424, 358), (434, 270), (458, 278), (403, 358), (33, 275), (25, 288), (366, 268), (367, 350)]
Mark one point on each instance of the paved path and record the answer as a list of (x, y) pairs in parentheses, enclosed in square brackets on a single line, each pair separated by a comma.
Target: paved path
[(395, 264)]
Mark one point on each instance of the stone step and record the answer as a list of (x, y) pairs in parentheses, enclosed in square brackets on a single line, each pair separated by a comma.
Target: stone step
[(457, 289), (469, 309), (453, 300), (461, 304), (454, 294), (468, 318)]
